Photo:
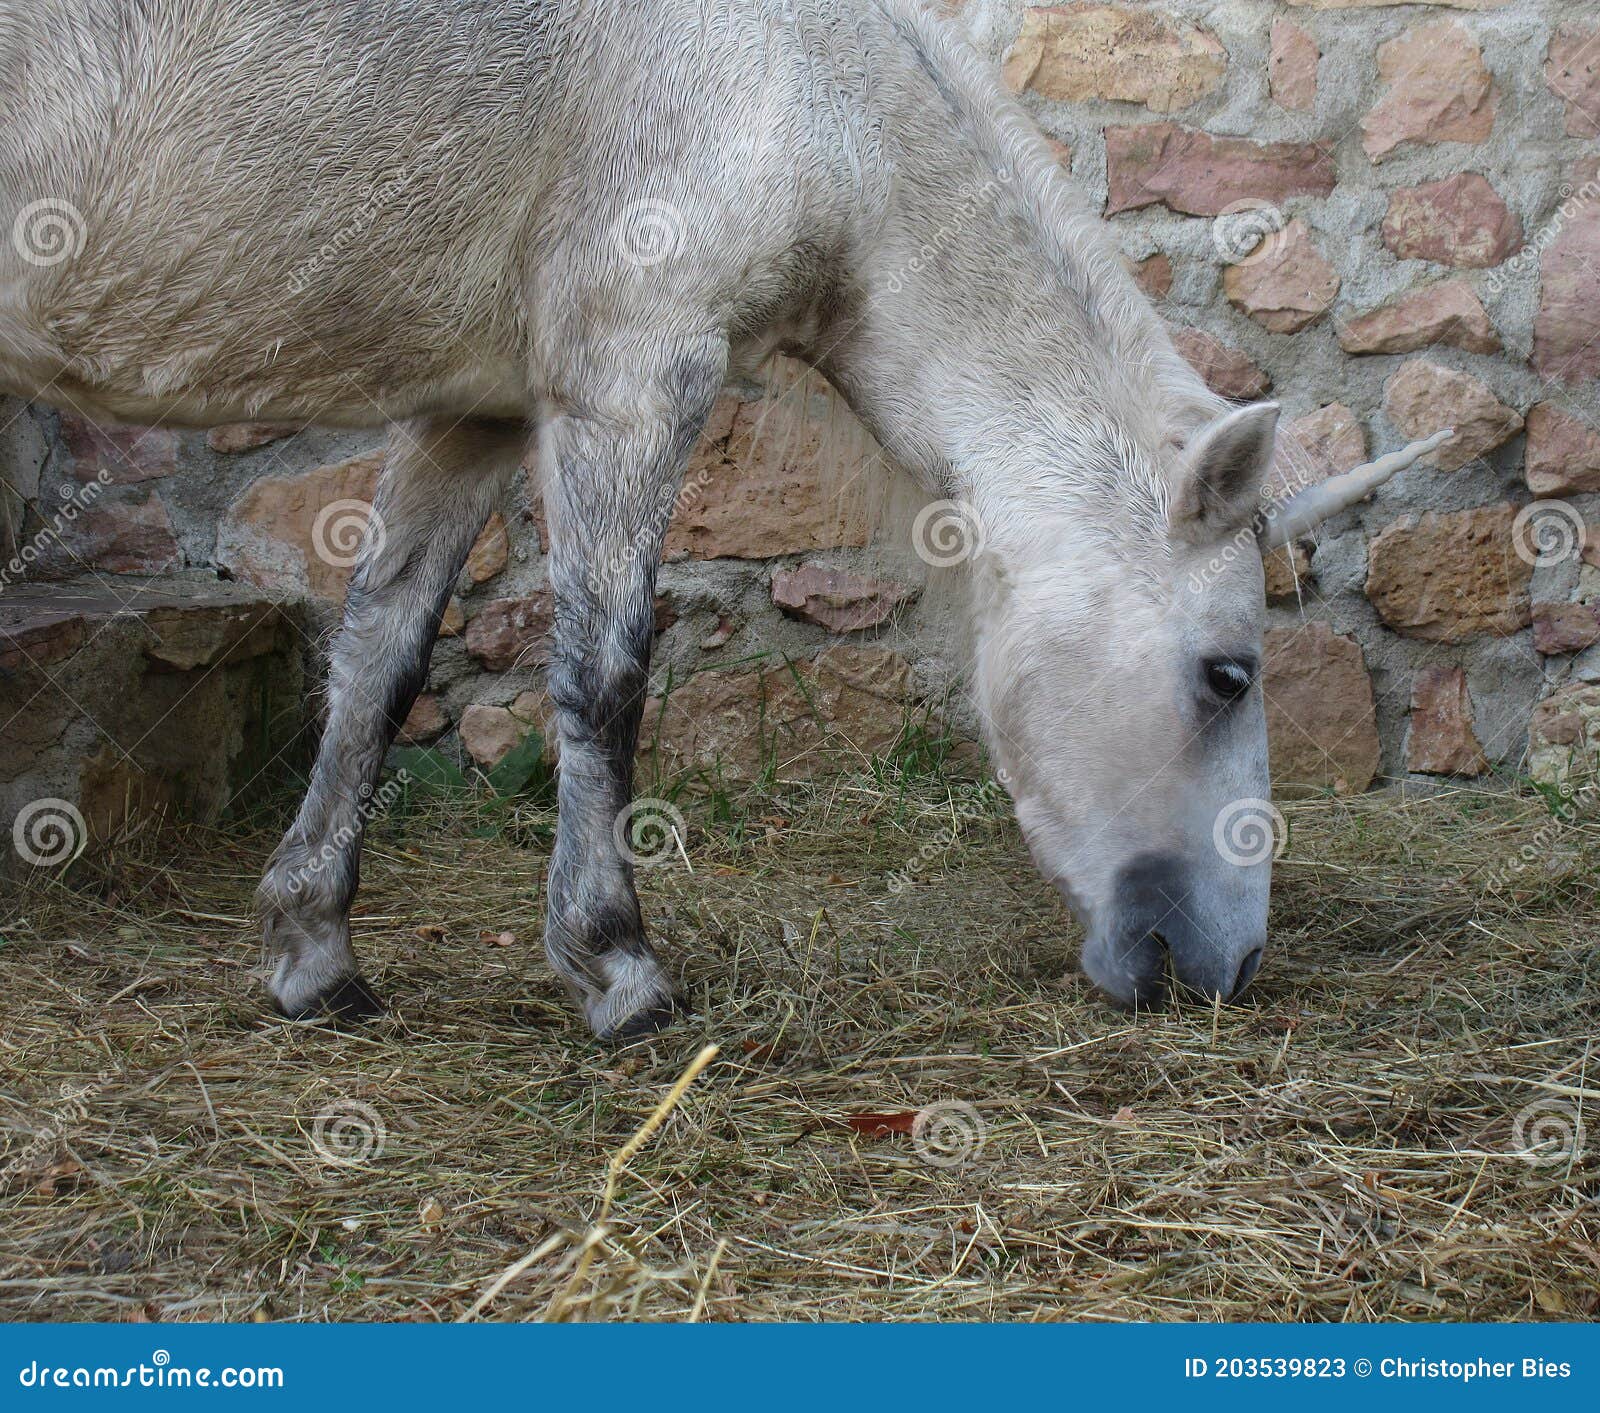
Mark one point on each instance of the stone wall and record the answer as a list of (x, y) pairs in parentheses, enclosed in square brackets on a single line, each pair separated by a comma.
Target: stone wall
[(1388, 218), (1385, 216), (125, 698)]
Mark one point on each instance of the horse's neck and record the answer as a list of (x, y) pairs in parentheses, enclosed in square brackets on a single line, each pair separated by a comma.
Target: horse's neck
[(965, 341), (993, 326)]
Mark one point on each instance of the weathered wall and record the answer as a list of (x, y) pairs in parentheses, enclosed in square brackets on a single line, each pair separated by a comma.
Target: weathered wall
[(126, 698), (1424, 181), (1388, 216)]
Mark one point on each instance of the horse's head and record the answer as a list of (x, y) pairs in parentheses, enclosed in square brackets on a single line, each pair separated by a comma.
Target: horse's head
[(1119, 675)]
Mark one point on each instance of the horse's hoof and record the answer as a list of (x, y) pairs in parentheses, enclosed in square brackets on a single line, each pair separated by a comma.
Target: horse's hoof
[(351, 1001), (642, 1025), (638, 1001)]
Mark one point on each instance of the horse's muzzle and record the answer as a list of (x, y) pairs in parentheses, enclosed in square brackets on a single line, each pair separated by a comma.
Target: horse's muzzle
[(1164, 923)]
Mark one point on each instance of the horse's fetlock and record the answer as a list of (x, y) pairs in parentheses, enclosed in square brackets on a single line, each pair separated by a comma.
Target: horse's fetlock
[(308, 881)]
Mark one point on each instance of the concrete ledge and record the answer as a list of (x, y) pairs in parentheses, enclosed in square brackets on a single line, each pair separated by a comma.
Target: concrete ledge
[(125, 698)]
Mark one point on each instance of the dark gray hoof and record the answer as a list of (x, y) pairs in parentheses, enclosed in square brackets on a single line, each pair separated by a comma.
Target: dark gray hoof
[(641, 1026), (351, 1002)]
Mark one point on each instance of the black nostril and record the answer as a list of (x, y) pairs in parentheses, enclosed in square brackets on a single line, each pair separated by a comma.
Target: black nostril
[(1149, 994), (1247, 971)]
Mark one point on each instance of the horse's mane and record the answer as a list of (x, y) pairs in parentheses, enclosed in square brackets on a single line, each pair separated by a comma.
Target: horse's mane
[(1087, 261), (1089, 264), (1130, 346)]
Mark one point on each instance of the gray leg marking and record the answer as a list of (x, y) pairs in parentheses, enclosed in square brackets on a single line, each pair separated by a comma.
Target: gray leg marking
[(612, 474), (440, 483)]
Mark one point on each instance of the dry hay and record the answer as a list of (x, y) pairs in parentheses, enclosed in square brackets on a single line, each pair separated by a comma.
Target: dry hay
[(1352, 1143)]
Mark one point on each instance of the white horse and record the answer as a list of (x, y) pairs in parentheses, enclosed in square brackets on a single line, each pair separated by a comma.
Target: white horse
[(569, 222)]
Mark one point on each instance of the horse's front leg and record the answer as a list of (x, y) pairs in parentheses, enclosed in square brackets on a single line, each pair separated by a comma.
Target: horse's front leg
[(614, 456), (440, 482)]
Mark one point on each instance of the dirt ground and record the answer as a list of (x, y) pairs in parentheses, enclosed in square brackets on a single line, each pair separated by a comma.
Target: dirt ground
[(918, 1110)]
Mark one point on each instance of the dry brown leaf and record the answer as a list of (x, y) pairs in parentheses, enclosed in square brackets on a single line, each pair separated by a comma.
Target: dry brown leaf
[(881, 1125), (56, 1174)]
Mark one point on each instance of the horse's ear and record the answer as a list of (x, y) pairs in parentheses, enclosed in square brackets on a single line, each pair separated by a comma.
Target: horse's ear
[(1224, 467)]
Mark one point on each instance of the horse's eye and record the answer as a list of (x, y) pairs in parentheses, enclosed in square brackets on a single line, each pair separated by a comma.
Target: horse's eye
[(1229, 678)]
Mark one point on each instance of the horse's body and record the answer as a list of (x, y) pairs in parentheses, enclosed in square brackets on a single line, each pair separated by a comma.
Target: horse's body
[(569, 221)]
